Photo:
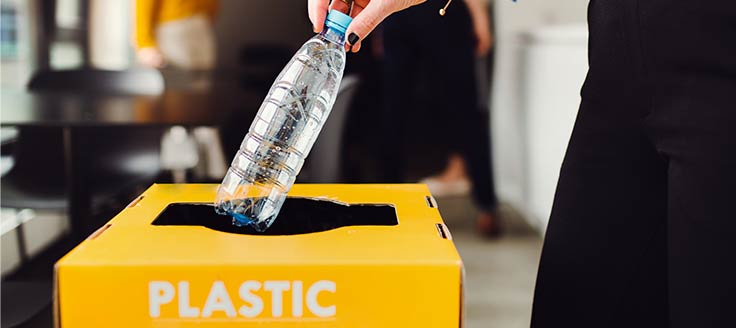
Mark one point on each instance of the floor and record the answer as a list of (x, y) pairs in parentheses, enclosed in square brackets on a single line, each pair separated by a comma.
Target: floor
[(499, 273)]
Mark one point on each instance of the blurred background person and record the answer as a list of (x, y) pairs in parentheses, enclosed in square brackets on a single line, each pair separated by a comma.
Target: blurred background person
[(180, 34), (176, 32), (430, 56)]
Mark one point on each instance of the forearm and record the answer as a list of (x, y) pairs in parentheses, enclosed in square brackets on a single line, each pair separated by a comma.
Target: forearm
[(478, 11)]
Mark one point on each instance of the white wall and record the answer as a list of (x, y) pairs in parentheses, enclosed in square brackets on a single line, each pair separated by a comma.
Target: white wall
[(555, 65), (110, 40), (514, 20)]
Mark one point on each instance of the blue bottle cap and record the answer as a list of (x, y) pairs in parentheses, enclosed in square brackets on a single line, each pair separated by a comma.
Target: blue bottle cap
[(338, 20)]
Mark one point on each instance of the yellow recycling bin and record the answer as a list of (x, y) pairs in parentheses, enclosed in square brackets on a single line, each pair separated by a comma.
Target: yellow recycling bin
[(338, 256)]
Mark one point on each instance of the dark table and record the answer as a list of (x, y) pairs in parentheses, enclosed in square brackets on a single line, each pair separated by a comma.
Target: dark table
[(71, 112), (173, 107)]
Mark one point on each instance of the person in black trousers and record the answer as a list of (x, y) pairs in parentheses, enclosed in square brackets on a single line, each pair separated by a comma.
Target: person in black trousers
[(420, 46), (643, 229)]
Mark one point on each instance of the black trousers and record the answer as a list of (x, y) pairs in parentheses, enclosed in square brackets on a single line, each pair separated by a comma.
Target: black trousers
[(421, 44), (643, 229)]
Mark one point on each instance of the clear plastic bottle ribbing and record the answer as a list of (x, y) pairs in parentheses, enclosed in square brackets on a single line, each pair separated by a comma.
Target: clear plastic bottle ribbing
[(283, 132)]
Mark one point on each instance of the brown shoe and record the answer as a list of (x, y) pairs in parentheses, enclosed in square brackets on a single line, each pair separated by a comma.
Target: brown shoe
[(488, 225)]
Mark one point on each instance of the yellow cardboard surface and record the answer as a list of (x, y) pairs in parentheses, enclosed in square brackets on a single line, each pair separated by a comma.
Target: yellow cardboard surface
[(134, 274)]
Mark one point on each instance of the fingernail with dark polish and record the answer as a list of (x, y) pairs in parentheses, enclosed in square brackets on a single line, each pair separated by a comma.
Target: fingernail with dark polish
[(353, 39)]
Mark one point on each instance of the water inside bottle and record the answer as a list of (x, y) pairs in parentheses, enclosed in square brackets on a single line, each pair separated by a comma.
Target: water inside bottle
[(243, 211), (282, 134)]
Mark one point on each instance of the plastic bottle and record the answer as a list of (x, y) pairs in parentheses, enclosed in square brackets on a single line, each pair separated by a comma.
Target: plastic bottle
[(285, 128)]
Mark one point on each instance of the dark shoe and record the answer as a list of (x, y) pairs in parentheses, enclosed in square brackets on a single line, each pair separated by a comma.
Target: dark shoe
[(488, 225)]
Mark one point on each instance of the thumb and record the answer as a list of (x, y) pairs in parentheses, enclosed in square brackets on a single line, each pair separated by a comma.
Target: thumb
[(317, 10), (366, 20)]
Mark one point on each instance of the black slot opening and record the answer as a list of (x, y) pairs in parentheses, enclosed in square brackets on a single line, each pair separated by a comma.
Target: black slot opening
[(441, 230), (297, 216), (429, 201)]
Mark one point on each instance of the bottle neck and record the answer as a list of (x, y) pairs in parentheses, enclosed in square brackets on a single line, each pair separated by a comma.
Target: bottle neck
[(333, 35)]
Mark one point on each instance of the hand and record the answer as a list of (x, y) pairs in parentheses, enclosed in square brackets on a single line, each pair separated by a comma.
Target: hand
[(484, 39), (366, 14), (481, 26), (150, 57)]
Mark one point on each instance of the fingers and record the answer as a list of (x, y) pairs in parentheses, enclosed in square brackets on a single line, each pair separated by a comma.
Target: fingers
[(151, 57), (340, 5), (317, 13), (356, 47), (482, 37), (364, 22), (368, 14), (480, 50), (482, 47)]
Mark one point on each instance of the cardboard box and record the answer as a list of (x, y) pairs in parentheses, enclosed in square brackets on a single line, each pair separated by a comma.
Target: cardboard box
[(166, 261)]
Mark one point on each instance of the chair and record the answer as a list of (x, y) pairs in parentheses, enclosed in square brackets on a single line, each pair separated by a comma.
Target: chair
[(323, 163)]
